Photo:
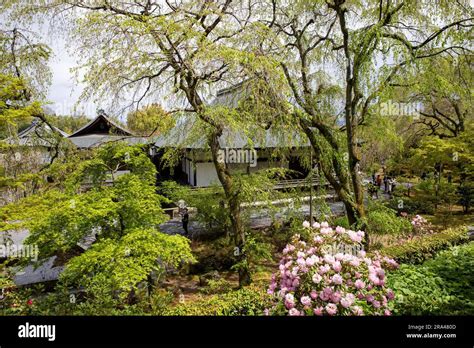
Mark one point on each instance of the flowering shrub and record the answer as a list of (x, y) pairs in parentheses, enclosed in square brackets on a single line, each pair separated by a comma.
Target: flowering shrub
[(330, 275), (421, 225)]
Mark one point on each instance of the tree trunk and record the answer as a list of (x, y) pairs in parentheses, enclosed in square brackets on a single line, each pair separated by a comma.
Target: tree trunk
[(237, 228)]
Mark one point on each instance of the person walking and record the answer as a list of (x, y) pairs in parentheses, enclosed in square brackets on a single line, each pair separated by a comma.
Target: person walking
[(385, 183), (379, 181), (393, 185), (183, 212), (185, 221)]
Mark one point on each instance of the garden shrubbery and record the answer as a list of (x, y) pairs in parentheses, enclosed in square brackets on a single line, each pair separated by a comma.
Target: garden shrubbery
[(251, 300), (383, 220), (329, 274), (420, 248), (441, 286), (410, 205)]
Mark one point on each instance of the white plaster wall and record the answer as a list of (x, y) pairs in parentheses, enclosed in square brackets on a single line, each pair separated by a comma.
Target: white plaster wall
[(206, 174)]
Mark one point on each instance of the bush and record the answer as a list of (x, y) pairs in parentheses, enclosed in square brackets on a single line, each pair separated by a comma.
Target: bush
[(329, 274), (341, 221), (442, 286), (425, 194), (410, 206), (420, 248), (215, 286), (383, 220), (251, 300), (417, 291)]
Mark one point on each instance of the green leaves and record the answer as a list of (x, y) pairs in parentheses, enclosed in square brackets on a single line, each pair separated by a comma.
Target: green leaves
[(124, 263), (421, 248), (442, 286), (151, 120)]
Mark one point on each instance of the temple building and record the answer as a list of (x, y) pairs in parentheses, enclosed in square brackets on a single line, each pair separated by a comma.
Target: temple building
[(102, 130)]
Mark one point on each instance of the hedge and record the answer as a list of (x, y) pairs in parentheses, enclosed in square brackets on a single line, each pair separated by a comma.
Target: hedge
[(251, 300), (441, 286), (421, 248)]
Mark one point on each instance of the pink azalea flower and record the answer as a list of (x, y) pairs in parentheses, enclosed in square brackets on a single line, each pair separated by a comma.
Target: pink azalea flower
[(337, 266), (335, 297), (324, 224), (306, 224), (318, 240), (357, 310), (314, 295), (326, 230), (345, 303), (318, 311), (355, 262), (323, 296), (390, 294), (317, 278), (373, 278), (328, 290), (305, 301), (336, 279), (294, 312), (329, 258), (290, 297), (331, 308), (316, 225), (359, 284), (324, 269)]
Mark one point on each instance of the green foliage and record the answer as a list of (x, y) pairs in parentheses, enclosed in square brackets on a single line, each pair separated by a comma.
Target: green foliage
[(417, 291), (107, 160), (256, 250), (122, 216), (215, 286), (420, 248), (410, 206), (429, 194), (340, 221), (251, 300), (121, 265), (466, 195), (111, 210), (209, 203), (383, 220), (441, 286), (150, 120), (67, 123)]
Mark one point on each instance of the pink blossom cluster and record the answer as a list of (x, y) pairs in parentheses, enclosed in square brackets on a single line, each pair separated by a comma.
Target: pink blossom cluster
[(421, 225), (313, 281)]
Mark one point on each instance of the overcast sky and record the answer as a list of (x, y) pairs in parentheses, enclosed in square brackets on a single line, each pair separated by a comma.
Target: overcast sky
[(65, 90)]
